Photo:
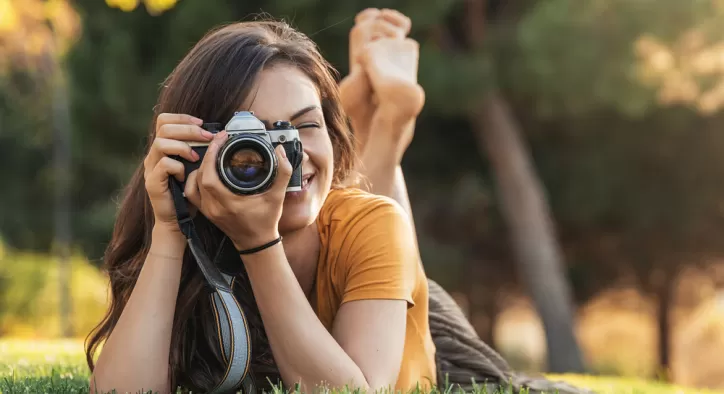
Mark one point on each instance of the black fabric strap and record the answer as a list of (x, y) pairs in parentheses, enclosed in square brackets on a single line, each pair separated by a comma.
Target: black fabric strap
[(260, 248), (233, 330)]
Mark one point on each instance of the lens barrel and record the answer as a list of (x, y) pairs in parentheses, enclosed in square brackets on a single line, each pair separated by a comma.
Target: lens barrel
[(247, 164)]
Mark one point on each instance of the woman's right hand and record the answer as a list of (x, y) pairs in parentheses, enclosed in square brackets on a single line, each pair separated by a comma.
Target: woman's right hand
[(173, 131)]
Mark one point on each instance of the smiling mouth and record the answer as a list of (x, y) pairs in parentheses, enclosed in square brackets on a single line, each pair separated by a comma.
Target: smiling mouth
[(306, 181)]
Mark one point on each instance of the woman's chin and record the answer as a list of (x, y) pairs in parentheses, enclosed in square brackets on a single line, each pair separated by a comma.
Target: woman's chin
[(296, 217), (301, 208)]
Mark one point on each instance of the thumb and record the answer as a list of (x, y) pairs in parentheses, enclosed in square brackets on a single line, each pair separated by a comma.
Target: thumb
[(284, 170)]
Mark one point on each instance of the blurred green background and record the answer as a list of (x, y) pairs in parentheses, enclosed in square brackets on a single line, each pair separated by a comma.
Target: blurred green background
[(616, 105)]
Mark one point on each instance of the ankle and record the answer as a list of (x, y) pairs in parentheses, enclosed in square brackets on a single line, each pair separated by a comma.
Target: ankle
[(403, 102)]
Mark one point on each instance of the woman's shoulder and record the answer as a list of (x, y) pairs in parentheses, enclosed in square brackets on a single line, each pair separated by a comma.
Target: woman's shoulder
[(368, 246), (352, 205)]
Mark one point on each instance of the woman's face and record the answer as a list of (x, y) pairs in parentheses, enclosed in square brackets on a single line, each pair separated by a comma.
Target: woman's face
[(284, 92)]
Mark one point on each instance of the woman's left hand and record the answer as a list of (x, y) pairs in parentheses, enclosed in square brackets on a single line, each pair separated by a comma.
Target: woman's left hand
[(248, 220)]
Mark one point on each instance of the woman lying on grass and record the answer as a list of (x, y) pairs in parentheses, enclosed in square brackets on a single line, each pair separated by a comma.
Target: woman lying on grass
[(343, 299)]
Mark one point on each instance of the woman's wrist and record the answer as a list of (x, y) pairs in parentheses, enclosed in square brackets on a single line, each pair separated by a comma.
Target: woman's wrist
[(259, 263), (167, 242), (248, 243)]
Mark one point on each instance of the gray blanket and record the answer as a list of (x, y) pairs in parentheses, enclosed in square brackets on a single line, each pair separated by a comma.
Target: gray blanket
[(464, 360)]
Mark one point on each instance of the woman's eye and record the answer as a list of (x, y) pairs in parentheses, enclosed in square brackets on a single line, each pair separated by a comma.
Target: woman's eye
[(308, 125)]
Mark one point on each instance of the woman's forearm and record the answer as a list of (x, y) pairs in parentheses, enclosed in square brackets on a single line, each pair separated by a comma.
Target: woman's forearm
[(136, 355), (305, 352)]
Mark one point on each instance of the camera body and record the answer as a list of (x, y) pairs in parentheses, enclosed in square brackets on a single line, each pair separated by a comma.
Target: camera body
[(247, 163)]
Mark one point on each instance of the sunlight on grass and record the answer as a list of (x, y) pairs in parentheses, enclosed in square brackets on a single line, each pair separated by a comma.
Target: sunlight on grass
[(619, 385), (58, 366)]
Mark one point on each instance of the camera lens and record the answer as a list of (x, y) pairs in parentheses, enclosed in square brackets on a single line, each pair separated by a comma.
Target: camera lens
[(248, 167), (246, 164)]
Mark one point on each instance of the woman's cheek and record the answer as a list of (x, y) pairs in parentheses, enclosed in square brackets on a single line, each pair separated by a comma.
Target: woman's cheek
[(319, 149)]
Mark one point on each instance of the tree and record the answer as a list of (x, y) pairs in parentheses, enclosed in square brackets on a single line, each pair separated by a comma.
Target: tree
[(521, 198), (52, 27), (628, 91), (594, 86)]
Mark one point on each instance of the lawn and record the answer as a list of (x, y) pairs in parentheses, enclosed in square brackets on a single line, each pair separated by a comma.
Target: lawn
[(59, 367)]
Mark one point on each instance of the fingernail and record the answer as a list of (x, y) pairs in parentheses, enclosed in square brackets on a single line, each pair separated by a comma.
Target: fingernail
[(220, 136), (197, 120), (194, 155), (284, 153), (207, 134)]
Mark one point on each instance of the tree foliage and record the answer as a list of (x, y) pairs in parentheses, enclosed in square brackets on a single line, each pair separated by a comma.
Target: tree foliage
[(33, 35), (634, 57)]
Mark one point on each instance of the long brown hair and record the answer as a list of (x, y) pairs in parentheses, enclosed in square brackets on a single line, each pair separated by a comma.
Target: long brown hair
[(211, 82)]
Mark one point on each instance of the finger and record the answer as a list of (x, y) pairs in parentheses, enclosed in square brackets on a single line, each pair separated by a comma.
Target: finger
[(284, 171), (367, 13), (397, 18), (166, 118), (208, 178), (184, 132), (158, 151), (165, 167), (162, 147), (191, 189)]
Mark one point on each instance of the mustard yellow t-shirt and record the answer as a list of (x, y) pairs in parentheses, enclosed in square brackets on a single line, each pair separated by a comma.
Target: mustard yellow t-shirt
[(361, 258)]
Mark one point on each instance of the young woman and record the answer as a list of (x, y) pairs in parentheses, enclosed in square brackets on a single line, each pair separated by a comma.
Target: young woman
[(343, 299)]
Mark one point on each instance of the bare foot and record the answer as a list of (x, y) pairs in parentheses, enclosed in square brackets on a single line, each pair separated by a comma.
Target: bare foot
[(357, 98), (372, 24), (392, 68)]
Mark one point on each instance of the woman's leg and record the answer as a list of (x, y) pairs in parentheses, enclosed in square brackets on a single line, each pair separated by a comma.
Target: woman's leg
[(382, 98)]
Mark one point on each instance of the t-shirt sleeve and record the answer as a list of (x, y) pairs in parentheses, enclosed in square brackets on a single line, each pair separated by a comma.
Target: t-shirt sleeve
[(382, 257)]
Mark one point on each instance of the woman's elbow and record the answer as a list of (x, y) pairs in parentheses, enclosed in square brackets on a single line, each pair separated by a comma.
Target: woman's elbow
[(380, 385), (381, 381)]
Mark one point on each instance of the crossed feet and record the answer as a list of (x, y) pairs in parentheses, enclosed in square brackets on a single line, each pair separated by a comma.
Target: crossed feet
[(382, 82)]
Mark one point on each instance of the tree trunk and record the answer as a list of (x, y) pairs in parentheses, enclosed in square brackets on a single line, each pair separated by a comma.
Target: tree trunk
[(527, 216), (62, 179), (491, 311), (482, 300), (665, 300)]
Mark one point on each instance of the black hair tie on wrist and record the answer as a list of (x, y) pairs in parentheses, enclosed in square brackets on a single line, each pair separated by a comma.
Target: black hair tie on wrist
[(260, 248)]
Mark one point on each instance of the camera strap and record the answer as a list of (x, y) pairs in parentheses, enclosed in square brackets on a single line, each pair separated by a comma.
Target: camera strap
[(232, 327)]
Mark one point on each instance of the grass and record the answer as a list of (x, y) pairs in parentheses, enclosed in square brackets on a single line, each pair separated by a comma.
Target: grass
[(59, 367), (42, 367)]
